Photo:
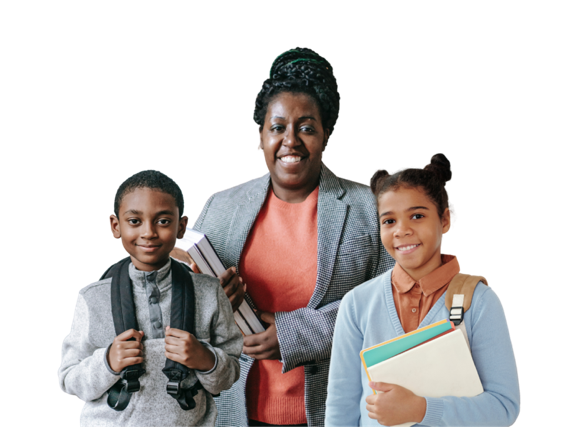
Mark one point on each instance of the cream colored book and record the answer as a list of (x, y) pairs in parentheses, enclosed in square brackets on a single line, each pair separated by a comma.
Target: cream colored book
[(441, 367)]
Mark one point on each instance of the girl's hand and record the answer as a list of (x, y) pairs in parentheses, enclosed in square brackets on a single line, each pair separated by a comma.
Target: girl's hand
[(123, 353), (232, 284), (395, 405)]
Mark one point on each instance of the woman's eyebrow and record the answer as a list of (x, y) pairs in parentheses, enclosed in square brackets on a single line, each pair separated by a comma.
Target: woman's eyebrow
[(307, 117), (407, 210)]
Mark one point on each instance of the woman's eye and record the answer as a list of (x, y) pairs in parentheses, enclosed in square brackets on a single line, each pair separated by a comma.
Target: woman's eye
[(307, 129), (276, 128)]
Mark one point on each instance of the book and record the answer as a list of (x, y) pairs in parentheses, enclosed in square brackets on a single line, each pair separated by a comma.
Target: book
[(202, 252), (440, 367), (383, 351)]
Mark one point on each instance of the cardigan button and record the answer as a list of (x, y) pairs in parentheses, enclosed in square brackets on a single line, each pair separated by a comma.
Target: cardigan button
[(314, 370)]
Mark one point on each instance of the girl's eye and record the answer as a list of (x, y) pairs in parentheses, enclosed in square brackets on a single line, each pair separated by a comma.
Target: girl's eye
[(386, 222), (418, 216)]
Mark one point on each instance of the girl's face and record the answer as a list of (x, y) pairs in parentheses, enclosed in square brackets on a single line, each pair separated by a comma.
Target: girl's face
[(411, 230), (148, 225)]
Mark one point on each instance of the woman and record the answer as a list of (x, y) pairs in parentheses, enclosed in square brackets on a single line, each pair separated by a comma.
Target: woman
[(301, 238)]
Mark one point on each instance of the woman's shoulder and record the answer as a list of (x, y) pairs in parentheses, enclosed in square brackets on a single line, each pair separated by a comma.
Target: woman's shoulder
[(244, 191)]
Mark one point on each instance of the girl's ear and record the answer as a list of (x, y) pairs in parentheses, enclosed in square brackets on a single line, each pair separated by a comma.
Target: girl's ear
[(446, 221), (182, 227), (115, 226)]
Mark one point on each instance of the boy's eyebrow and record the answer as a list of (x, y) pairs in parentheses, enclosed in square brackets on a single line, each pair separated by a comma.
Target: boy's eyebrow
[(408, 210), (162, 212)]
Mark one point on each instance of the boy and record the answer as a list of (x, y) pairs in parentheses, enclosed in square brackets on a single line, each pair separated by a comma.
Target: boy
[(148, 219)]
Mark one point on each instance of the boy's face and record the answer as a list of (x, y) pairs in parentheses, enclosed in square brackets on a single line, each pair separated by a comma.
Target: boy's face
[(411, 230), (148, 225)]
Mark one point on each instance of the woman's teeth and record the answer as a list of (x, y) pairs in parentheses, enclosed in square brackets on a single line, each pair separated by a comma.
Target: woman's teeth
[(290, 158), (409, 247)]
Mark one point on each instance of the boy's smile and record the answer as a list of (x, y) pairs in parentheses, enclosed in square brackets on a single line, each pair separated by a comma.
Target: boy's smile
[(148, 223), (411, 230)]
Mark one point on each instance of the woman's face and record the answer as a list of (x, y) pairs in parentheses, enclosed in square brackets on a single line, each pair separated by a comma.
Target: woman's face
[(411, 230), (293, 141)]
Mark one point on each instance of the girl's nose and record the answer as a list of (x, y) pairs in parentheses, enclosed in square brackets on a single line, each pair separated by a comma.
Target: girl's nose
[(403, 229)]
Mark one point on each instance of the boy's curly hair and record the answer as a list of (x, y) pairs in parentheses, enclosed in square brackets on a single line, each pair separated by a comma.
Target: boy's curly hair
[(430, 179), (150, 179), (301, 70)]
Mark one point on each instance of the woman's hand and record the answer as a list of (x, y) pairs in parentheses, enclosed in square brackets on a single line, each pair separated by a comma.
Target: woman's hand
[(184, 348), (395, 404), (232, 284), (183, 256), (263, 345)]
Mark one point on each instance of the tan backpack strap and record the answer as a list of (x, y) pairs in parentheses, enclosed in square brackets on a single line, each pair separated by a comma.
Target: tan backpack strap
[(463, 284)]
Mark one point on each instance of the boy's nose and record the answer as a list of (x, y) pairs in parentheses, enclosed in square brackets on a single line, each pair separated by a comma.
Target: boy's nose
[(148, 230)]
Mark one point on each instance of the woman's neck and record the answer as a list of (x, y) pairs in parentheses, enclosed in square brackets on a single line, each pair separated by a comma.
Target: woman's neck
[(293, 195)]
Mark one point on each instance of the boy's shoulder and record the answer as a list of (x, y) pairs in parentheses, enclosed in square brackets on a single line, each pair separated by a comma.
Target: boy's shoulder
[(97, 288)]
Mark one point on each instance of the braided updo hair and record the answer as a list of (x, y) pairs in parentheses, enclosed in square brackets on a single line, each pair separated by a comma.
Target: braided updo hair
[(301, 70), (431, 180)]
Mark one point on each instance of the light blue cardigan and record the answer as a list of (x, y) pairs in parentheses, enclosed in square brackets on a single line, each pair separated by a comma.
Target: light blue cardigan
[(368, 316)]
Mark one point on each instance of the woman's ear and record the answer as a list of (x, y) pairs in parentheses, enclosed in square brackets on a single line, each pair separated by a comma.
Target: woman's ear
[(182, 227), (260, 145), (115, 226), (326, 138)]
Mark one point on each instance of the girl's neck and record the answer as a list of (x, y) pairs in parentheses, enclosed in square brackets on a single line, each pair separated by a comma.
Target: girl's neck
[(417, 274)]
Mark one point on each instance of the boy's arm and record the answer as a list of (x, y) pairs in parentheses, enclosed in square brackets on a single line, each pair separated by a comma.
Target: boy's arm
[(84, 371), (492, 352), (226, 344), (345, 386)]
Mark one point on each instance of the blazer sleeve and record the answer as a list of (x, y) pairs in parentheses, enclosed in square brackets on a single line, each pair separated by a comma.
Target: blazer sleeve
[(84, 371), (345, 381), (492, 352)]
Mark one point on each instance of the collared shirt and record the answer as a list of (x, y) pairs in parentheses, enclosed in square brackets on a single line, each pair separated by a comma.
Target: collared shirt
[(414, 299)]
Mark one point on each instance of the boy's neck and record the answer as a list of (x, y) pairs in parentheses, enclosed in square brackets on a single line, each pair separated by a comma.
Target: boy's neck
[(148, 267)]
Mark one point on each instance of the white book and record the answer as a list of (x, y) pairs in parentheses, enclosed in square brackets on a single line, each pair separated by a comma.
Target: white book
[(441, 367), (203, 254)]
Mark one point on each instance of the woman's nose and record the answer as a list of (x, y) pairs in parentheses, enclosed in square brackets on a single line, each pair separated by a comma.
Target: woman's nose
[(289, 138)]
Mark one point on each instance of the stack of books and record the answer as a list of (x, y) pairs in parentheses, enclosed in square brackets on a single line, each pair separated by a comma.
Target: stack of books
[(203, 254), (433, 361)]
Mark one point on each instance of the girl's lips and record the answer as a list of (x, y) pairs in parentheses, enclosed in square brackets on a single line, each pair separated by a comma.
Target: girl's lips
[(408, 251)]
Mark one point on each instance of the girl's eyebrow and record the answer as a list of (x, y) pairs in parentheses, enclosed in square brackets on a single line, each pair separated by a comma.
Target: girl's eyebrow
[(407, 210)]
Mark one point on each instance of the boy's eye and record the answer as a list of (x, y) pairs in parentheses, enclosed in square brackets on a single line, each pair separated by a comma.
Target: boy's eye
[(133, 221), (164, 221)]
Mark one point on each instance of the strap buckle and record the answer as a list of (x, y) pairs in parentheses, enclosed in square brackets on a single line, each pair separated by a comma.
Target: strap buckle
[(456, 315), (173, 388)]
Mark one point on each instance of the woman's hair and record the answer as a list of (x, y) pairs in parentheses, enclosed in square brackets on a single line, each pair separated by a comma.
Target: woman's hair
[(301, 71), (151, 179), (431, 180)]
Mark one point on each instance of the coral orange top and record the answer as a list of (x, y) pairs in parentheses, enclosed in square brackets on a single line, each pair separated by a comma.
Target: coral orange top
[(279, 266), (414, 299)]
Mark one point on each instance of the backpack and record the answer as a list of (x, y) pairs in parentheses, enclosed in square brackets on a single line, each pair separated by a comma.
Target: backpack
[(124, 316), (458, 299)]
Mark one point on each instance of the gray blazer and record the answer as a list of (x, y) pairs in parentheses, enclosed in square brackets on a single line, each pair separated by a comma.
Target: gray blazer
[(349, 253)]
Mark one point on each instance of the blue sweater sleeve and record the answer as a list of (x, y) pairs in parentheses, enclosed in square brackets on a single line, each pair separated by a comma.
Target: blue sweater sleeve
[(345, 386), (493, 355)]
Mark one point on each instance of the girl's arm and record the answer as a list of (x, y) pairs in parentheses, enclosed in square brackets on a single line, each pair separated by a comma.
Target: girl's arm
[(493, 355), (345, 386)]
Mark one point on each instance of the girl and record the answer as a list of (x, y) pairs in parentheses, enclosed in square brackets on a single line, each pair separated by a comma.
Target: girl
[(413, 215)]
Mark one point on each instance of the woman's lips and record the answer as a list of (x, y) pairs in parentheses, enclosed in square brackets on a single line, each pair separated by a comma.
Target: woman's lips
[(407, 249)]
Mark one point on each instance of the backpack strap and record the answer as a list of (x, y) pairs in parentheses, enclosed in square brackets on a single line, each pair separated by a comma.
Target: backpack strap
[(182, 311), (124, 316), (458, 299)]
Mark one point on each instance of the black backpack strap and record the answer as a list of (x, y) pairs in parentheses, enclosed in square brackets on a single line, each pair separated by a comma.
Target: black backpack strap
[(124, 316), (182, 311)]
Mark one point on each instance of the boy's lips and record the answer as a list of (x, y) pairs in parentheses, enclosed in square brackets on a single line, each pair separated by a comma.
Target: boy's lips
[(407, 248), (149, 248)]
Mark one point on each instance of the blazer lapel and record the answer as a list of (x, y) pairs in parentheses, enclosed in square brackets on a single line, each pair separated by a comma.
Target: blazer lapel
[(331, 215)]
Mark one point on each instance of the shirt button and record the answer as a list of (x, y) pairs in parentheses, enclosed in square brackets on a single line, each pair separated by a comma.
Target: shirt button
[(414, 310), (157, 325), (153, 300)]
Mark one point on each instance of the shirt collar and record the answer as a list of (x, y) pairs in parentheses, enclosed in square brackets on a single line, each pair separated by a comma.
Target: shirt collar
[(430, 283), (161, 277)]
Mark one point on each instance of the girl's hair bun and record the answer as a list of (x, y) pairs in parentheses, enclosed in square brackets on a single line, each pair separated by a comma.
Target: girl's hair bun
[(377, 180), (440, 167)]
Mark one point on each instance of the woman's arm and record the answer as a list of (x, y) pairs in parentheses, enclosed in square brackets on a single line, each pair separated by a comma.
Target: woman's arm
[(345, 386), (492, 352)]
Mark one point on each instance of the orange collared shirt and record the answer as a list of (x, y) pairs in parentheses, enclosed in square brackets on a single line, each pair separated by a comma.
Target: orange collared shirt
[(414, 299)]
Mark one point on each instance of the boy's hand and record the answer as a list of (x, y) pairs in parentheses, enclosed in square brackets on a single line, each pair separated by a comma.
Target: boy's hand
[(183, 256), (263, 345), (232, 284), (185, 349), (123, 353), (395, 405)]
